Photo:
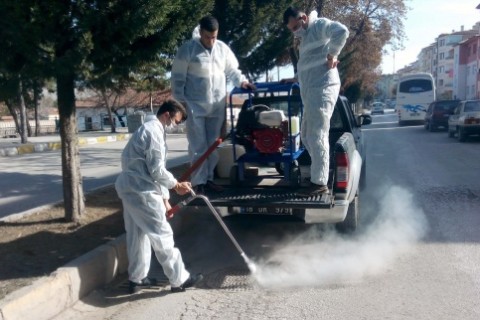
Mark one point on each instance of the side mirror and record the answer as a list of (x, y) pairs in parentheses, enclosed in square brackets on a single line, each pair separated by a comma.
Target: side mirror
[(364, 119)]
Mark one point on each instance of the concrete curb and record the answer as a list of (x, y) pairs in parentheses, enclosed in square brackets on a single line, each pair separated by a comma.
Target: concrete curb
[(57, 145), (49, 296)]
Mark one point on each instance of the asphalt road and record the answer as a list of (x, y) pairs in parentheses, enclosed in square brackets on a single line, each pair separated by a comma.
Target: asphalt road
[(34, 180), (415, 256)]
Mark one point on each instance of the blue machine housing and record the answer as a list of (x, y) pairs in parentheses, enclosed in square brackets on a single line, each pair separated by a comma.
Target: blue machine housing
[(287, 158)]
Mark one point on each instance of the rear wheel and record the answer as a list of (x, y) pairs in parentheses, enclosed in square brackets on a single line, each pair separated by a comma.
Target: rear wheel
[(431, 127), (363, 175), (280, 167), (462, 135), (451, 134), (350, 223), (294, 177)]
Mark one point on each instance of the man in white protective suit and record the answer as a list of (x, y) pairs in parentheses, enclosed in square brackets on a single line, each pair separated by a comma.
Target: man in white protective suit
[(321, 41), (143, 185), (200, 70)]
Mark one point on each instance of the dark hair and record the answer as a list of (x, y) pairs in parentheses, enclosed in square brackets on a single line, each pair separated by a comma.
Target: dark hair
[(291, 12), (209, 23), (173, 107)]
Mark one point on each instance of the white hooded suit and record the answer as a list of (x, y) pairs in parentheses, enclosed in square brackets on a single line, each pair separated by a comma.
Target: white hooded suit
[(319, 89), (199, 78), (143, 185)]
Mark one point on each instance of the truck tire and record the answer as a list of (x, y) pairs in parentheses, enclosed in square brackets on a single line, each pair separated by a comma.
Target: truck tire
[(294, 176), (279, 166), (462, 135), (350, 223), (363, 175), (451, 134)]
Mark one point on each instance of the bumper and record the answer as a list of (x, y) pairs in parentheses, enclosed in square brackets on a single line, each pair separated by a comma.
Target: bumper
[(336, 213), (333, 215), (472, 129)]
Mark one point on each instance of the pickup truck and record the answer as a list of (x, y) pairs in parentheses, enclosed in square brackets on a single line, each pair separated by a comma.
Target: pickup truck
[(262, 190)]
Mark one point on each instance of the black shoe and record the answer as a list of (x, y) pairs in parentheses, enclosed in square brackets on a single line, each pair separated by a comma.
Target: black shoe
[(191, 281), (212, 186), (199, 189), (313, 190), (134, 287)]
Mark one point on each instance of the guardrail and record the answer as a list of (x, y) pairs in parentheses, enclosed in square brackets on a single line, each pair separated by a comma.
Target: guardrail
[(7, 128)]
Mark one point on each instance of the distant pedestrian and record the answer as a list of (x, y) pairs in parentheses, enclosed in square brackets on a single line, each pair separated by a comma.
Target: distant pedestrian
[(143, 185)]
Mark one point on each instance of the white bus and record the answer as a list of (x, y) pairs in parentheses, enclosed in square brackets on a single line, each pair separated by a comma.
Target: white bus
[(414, 93)]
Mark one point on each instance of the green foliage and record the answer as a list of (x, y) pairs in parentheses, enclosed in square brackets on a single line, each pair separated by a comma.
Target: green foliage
[(255, 32)]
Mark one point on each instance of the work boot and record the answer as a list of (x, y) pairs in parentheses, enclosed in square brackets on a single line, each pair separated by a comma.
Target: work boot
[(199, 189), (212, 186), (134, 287), (190, 282), (313, 190)]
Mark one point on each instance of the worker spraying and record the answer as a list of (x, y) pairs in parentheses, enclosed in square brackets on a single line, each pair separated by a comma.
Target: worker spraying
[(143, 185)]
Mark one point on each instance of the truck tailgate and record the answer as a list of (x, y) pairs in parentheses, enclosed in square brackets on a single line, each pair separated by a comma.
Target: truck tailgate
[(271, 200)]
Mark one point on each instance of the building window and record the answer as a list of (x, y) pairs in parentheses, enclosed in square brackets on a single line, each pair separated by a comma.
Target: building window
[(440, 82), (442, 56), (442, 42)]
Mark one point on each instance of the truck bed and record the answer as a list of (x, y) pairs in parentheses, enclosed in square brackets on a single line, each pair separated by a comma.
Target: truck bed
[(265, 197)]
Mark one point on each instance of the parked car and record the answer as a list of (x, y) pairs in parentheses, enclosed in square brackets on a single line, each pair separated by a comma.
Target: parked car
[(377, 108), (438, 113), (465, 120)]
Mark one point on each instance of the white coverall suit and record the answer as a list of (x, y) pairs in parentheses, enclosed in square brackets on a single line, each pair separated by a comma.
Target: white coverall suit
[(143, 185), (319, 89), (199, 80)]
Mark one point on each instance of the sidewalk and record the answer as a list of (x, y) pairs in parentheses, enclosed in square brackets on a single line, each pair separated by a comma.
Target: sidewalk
[(12, 146), (52, 294)]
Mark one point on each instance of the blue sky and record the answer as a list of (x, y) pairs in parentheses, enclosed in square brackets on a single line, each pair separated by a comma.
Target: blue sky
[(424, 22)]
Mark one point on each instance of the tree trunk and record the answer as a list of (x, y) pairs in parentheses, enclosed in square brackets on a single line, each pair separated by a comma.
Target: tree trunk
[(23, 112), (109, 110), (37, 116), (14, 113), (72, 178)]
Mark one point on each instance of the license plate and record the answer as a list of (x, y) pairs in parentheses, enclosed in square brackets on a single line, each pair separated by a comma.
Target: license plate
[(266, 210), (413, 114)]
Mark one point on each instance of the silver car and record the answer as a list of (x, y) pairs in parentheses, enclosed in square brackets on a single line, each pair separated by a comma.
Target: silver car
[(465, 120)]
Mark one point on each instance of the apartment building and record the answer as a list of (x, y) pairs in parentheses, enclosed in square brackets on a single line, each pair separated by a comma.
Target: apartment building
[(444, 76), (466, 69)]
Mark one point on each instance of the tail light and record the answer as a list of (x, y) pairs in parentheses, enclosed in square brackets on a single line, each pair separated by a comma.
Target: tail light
[(341, 160), (472, 120)]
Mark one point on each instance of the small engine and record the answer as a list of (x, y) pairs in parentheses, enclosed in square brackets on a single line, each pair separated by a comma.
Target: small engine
[(263, 129), (269, 140)]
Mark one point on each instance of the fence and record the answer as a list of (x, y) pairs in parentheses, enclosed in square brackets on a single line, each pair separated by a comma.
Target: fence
[(7, 128)]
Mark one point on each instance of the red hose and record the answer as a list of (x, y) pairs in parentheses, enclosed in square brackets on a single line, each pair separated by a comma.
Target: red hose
[(196, 164), (186, 175)]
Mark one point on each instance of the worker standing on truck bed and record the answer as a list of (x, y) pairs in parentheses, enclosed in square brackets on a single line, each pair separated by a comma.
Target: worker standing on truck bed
[(199, 73), (321, 41)]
